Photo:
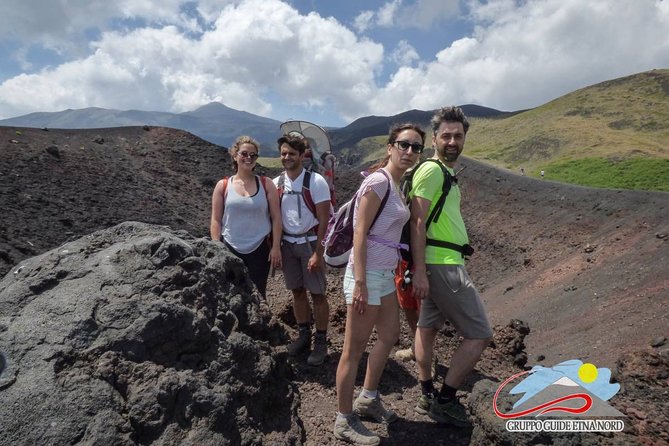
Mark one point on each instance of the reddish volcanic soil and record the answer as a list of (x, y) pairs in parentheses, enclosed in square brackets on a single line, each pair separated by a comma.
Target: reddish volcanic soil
[(585, 269)]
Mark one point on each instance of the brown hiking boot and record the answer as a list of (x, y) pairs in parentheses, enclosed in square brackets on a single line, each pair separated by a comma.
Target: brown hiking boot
[(301, 344), (320, 351)]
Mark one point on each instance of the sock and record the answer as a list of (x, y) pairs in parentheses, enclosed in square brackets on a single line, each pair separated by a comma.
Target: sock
[(321, 333), (343, 416), (304, 327), (369, 393), (427, 387), (447, 393)]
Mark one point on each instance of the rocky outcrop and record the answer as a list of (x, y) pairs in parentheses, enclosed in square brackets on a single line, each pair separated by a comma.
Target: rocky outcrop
[(139, 334)]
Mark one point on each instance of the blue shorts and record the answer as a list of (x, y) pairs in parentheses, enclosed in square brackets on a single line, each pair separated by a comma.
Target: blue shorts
[(380, 283)]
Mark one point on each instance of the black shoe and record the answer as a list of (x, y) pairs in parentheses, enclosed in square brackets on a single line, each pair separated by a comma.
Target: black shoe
[(317, 356), (301, 344)]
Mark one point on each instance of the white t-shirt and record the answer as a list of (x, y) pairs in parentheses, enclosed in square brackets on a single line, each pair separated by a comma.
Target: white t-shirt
[(300, 220)]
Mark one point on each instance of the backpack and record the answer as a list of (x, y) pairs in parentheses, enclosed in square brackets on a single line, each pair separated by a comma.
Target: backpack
[(338, 240), (405, 186), (305, 192)]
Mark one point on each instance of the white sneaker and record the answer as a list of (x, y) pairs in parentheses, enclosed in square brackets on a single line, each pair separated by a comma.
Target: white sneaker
[(373, 408), (351, 430)]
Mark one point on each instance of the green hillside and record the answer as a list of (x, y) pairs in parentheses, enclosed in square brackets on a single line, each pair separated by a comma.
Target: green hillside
[(613, 134)]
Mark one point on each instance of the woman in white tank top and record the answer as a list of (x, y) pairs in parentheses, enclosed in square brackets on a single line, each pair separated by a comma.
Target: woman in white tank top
[(243, 198)]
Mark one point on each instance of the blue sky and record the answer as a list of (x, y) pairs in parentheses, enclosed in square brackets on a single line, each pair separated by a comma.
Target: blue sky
[(327, 61)]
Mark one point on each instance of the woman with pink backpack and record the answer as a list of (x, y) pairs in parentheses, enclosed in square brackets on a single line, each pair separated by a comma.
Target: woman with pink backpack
[(380, 213)]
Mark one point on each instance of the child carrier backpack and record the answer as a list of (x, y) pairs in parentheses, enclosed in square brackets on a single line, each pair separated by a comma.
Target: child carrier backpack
[(338, 240), (406, 184)]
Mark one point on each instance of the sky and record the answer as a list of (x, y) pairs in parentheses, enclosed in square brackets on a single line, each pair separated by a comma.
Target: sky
[(325, 61)]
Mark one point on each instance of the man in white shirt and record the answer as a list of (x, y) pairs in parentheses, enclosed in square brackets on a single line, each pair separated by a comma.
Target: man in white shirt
[(305, 210)]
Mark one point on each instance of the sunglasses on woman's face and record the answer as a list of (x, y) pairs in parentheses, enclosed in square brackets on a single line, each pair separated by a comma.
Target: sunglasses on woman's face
[(404, 146), (248, 155)]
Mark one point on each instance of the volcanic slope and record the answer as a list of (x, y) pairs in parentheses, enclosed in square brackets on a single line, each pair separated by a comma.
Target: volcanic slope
[(585, 268)]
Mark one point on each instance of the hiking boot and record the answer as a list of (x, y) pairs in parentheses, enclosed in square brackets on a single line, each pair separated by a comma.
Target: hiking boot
[(451, 412), (317, 356), (405, 355), (373, 408), (351, 430), (424, 404), (301, 344)]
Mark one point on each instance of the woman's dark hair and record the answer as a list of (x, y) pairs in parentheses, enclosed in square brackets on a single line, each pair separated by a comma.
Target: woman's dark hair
[(399, 128), (392, 137)]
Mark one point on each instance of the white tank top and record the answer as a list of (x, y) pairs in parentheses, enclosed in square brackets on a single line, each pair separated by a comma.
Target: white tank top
[(246, 220)]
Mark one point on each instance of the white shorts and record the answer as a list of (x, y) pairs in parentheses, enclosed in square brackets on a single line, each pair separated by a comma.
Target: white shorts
[(380, 283)]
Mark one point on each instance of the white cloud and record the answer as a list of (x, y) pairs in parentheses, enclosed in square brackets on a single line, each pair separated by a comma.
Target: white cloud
[(65, 26), (404, 54), (525, 54), (55, 23), (263, 56), (363, 21), (401, 15), (386, 15), (253, 48)]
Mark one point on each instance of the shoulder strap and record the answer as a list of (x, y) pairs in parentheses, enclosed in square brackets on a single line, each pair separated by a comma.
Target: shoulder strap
[(445, 189), (263, 181), (306, 192), (224, 193), (383, 201)]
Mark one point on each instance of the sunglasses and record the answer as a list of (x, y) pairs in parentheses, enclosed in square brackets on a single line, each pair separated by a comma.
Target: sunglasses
[(248, 155), (404, 146)]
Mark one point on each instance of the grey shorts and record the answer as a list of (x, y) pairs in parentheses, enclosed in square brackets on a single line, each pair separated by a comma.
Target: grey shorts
[(295, 257), (453, 296)]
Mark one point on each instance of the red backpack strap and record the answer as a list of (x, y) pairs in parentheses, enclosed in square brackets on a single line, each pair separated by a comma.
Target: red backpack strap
[(224, 193), (263, 181), (306, 192)]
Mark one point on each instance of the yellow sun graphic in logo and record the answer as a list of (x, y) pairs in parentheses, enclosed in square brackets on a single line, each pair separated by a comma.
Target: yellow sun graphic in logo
[(587, 372)]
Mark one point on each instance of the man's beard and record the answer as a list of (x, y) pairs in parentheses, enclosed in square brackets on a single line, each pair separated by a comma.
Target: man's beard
[(449, 156)]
